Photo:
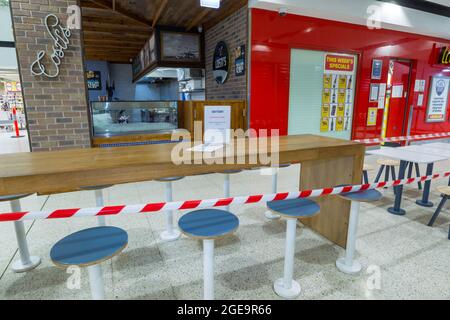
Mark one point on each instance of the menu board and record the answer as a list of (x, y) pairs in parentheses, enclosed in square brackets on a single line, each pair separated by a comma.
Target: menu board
[(337, 94)]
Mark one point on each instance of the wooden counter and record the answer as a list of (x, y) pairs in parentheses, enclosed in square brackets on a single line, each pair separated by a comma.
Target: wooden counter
[(325, 162)]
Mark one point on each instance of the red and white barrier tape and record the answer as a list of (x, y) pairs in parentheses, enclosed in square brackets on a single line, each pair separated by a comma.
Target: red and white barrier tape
[(405, 138), (208, 203)]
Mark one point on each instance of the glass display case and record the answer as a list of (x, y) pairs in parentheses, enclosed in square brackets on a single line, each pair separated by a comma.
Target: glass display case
[(133, 117)]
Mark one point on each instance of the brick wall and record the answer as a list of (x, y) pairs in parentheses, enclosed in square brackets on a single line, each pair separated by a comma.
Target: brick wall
[(232, 30), (56, 108)]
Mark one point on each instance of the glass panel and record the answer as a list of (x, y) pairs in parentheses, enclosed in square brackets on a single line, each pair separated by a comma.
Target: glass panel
[(121, 118), (308, 112)]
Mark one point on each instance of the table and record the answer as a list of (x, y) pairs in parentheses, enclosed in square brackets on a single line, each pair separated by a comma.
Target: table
[(406, 155), (325, 162)]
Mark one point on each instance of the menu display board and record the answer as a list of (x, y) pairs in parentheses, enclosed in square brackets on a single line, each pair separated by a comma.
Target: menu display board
[(337, 95), (438, 98)]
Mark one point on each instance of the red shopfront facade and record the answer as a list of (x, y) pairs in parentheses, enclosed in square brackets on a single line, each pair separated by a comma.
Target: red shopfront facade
[(270, 69)]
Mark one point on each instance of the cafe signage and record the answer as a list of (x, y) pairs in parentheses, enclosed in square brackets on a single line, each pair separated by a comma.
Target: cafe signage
[(444, 56), (60, 36), (221, 62), (438, 98), (339, 63)]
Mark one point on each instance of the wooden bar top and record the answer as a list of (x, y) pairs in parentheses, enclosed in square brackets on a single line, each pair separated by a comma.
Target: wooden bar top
[(69, 170)]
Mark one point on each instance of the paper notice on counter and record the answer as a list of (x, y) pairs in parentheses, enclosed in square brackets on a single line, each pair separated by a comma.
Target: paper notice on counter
[(217, 125), (206, 147)]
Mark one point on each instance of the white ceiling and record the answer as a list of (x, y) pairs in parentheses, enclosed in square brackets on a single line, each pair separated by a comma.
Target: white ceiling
[(392, 16)]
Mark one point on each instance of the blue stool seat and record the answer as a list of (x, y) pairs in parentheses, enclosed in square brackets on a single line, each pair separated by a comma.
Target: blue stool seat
[(231, 171), (208, 223), (363, 196), (96, 187), (14, 197), (168, 179), (294, 208), (89, 247)]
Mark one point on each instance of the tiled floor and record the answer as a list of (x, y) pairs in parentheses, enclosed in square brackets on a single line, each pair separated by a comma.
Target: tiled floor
[(401, 256), (13, 145)]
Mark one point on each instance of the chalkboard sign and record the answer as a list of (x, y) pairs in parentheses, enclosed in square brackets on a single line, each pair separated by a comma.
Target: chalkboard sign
[(221, 63)]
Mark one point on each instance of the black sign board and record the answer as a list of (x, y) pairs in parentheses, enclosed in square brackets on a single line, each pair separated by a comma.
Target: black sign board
[(94, 81), (221, 63), (239, 62)]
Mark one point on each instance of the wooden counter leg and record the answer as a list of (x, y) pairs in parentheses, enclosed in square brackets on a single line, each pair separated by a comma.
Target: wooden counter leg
[(332, 221)]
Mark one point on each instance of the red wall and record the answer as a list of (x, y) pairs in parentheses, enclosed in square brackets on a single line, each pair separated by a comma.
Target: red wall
[(273, 37)]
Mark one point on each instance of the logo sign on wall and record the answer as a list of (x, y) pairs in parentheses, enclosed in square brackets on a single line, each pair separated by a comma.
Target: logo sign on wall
[(239, 62), (438, 97), (60, 36), (221, 62), (444, 56)]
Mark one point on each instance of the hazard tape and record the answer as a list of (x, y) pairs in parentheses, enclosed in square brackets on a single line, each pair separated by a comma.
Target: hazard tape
[(405, 138), (208, 203)]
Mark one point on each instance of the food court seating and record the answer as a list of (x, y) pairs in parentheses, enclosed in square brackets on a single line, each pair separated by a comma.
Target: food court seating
[(226, 183), (99, 200), (170, 234), (208, 225), (89, 248), (388, 165), (292, 210), (270, 214), (445, 192)]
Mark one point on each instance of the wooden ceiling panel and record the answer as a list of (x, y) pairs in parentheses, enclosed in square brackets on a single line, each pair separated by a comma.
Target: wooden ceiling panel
[(116, 30)]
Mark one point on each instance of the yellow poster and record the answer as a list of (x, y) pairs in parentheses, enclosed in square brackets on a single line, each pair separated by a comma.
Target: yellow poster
[(342, 82), (341, 96), (339, 124), (325, 111), (340, 110), (327, 78), (324, 125), (326, 96), (372, 116)]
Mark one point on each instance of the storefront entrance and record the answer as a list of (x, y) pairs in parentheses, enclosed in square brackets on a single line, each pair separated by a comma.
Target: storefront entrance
[(397, 117)]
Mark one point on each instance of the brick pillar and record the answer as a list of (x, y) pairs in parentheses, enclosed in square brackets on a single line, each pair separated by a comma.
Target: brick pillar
[(56, 108)]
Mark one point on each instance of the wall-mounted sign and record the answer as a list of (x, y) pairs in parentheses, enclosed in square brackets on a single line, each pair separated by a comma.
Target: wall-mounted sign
[(377, 66), (444, 56), (60, 36), (372, 117), (221, 63), (94, 80), (374, 92), (419, 85), (339, 63), (437, 101), (239, 60)]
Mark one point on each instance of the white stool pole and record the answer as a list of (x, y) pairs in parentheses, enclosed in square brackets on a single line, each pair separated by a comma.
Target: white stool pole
[(286, 287), (26, 262), (96, 282), (269, 214), (348, 264), (226, 188), (100, 203), (208, 269), (170, 233)]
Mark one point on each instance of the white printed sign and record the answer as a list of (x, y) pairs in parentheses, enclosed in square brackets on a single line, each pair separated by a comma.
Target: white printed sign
[(437, 101), (217, 125)]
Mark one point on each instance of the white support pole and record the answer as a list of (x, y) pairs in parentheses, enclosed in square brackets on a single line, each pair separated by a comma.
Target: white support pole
[(226, 188), (287, 287), (208, 269), (99, 201), (269, 214), (170, 234), (26, 262), (96, 282), (348, 264)]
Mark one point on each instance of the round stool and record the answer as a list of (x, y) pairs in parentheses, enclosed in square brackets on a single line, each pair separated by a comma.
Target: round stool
[(226, 183), (208, 225), (99, 200), (293, 209), (170, 234), (389, 166), (445, 193), (366, 168), (269, 214), (347, 264), (89, 248), (26, 262)]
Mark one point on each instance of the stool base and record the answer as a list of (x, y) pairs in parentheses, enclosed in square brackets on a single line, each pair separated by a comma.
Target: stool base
[(291, 293), (400, 212), (19, 267), (352, 269), (424, 204), (166, 236), (271, 216)]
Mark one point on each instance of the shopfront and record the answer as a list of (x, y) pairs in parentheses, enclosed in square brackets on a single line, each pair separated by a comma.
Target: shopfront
[(344, 80)]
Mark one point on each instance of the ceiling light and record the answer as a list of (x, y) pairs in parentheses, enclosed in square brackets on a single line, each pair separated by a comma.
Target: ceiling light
[(215, 4)]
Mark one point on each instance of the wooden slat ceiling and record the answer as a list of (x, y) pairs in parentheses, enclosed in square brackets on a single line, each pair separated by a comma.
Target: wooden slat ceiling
[(116, 30)]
